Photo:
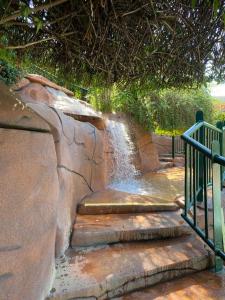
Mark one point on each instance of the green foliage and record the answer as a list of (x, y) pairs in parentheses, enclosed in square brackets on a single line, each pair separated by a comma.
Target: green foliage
[(7, 55), (219, 116), (100, 98), (8, 73), (175, 109), (174, 43), (168, 111)]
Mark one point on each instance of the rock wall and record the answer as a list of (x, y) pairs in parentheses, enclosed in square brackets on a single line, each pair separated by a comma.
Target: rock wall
[(29, 201), (79, 146), (54, 151), (163, 144), (146, 149), (80, 163), (38, 89), (48, 163)]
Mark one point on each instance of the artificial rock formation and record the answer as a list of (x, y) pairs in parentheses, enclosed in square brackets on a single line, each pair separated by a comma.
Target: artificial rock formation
[(146, 148), (79, 149), (14, 113), (49, 162), (29, 201), (163, 144), (46, 82), (40, 90), (52, 155), (35, 92)]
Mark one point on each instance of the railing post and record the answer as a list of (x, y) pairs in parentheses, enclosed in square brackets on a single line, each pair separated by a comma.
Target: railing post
[(173, 146), (199, 118), (223, 153), (217, 207), (219, 125)]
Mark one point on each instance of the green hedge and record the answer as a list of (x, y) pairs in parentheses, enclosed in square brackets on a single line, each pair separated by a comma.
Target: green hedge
[(169, 111), (8, 73)]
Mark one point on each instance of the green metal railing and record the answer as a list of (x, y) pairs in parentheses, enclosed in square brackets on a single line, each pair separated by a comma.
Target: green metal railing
[(204, 168), (177, 146)]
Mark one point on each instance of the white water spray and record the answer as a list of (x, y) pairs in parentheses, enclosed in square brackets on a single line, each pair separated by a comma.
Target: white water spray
[(124, 151)]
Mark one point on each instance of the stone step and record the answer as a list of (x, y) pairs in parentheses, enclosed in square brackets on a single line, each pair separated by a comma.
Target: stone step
[(111, 201), (112, 271), (111, 228), (166, 164), (166, 158), (205, 285)]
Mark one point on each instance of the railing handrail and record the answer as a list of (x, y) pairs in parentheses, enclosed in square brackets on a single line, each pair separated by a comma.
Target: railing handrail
[(204, 173), (197, 125), (186, 136)]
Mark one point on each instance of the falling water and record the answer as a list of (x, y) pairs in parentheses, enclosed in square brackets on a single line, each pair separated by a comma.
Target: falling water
[(66, 103), (124, 151)]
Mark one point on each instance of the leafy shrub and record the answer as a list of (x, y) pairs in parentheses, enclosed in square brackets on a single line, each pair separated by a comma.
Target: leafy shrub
[(175, 109), (167, 111), (8, 73)]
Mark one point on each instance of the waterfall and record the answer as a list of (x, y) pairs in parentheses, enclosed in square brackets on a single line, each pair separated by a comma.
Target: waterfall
[(69, 104), (124, 151)]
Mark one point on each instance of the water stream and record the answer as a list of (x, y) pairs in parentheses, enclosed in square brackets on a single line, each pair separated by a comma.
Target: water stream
[(127, 178), (124, 152), (69, 104)]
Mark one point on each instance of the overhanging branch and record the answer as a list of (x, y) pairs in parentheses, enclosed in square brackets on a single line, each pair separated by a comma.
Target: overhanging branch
[(34, 10)]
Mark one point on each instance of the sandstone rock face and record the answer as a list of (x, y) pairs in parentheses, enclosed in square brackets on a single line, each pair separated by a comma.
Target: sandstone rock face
[(80, 162), (48, 163), (40, 90), (46, 82), (20, 84), (79, 147), (35, 92), (78, 109), (14, 113), (28, 213), (147, 149), (163, 144)]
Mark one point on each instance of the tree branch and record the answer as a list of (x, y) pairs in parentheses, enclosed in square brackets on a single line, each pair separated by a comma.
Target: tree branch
[(36, 42), (27, 45), (34, 10)]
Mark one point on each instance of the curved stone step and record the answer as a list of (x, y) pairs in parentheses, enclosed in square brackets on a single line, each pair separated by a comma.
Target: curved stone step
[(104, 273), (205, 285), (111, 228), (111, 201)]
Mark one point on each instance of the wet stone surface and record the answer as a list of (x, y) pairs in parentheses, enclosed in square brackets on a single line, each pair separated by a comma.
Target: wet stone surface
[(204, 285), (111, 228), (108, 271)]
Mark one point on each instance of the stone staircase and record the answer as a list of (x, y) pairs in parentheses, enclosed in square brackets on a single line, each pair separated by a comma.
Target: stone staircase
[(92, 230), (110, 201), (114, 254)]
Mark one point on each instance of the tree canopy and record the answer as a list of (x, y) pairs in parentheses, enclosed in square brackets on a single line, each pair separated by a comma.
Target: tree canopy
[(168, 42)]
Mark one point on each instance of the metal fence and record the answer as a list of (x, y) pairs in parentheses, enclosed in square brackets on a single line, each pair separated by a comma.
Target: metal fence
[(204, 165)]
